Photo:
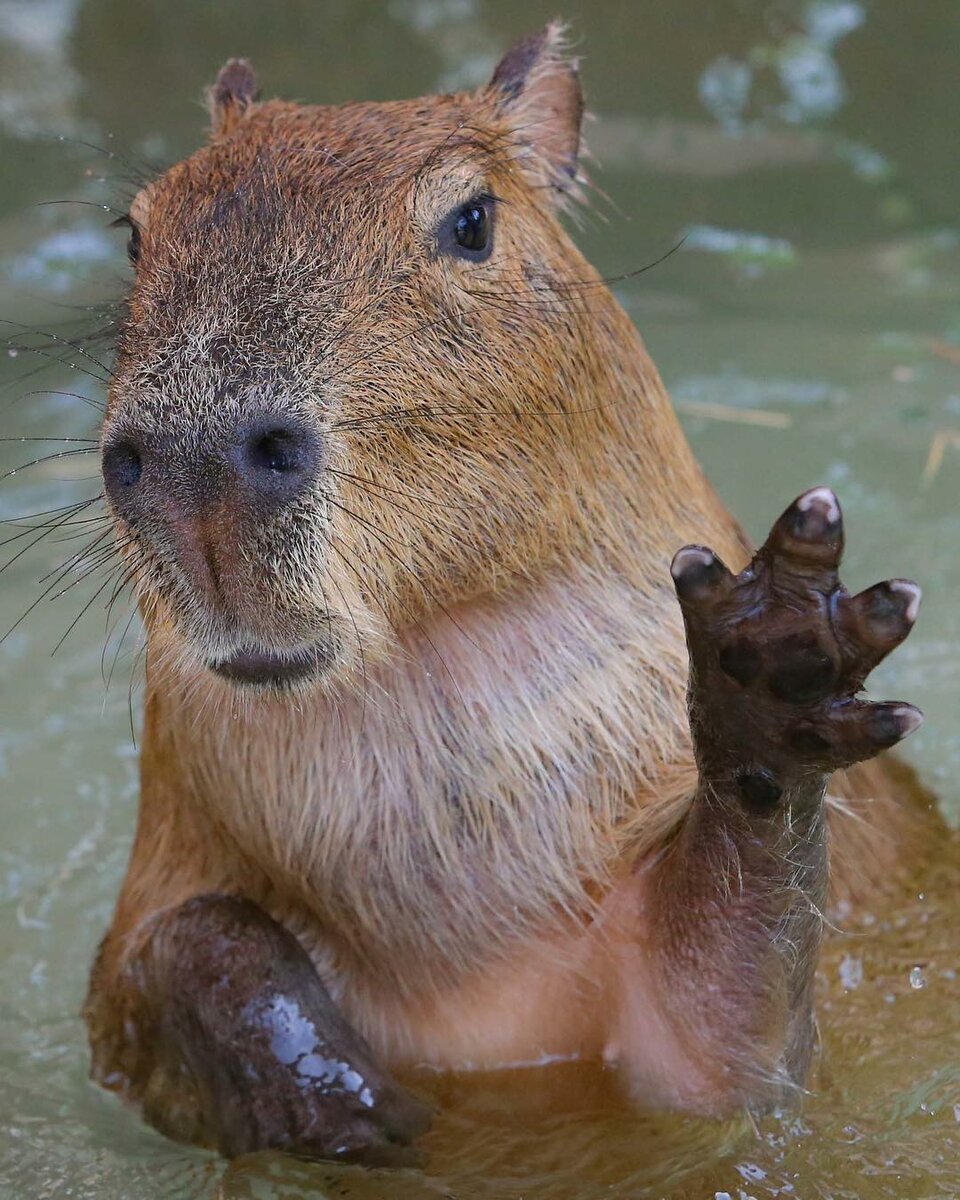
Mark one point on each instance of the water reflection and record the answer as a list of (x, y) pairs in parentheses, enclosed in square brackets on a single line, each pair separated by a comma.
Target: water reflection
[(800, 57)]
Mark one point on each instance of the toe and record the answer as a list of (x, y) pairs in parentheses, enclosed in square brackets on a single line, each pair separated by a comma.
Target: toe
[(697, 574), (858, 730), (875, 622), (808, 538)]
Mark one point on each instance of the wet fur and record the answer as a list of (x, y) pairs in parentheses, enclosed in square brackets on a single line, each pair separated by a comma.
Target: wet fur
[(446, 821)]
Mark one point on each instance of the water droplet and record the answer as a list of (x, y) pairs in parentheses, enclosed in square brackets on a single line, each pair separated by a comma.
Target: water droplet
[(851, 971), (917, 978), (351, 1080)]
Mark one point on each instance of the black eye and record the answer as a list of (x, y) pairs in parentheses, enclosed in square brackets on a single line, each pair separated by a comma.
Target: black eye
[(133, 245), (467, 232), (472, 227), (133, 242)]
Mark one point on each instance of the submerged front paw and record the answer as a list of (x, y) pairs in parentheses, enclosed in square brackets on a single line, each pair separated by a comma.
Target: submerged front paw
[(779, 652)]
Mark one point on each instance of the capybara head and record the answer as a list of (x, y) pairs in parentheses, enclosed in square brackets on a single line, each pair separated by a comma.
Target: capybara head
[(347, 376)]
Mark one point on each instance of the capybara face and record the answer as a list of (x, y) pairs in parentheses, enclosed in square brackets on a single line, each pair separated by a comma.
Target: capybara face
[(346, 382)]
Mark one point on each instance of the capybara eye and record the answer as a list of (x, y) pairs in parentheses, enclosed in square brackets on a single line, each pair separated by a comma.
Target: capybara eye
[(133, 245), (133, 242), (472, 228), (468, 231)]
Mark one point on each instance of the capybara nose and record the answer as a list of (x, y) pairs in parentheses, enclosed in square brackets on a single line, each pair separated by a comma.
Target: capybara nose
[(260, 465)]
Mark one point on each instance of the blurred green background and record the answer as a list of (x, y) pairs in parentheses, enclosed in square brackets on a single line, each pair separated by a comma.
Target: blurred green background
[(809, 331)]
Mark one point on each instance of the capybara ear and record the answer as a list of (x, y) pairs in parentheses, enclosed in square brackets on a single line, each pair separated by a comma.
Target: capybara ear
[(233, 96), (536, 88)]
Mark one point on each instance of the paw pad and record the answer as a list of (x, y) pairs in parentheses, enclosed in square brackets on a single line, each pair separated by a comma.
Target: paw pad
[(759, 789), (741, 660), (804, 671)]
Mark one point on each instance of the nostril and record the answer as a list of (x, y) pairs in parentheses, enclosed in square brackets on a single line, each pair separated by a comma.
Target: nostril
[(279, 451), (276, 450), (122, 466), (275, 459)]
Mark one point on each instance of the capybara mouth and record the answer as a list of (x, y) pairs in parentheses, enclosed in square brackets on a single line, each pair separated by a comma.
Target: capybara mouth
[(267, 668)]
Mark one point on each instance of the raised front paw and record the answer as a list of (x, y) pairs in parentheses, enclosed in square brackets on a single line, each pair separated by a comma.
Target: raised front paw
[(779, 652)]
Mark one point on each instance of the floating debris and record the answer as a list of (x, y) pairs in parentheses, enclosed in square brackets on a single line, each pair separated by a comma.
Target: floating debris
[(942, 440), (740, 416)]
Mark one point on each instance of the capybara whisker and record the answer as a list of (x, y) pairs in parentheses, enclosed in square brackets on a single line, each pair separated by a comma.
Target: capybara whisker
[(57, 341), (93, 403), (45, 458)]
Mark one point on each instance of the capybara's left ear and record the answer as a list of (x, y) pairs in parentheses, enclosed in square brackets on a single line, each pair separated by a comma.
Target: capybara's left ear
[(233, 96), (536, 88)]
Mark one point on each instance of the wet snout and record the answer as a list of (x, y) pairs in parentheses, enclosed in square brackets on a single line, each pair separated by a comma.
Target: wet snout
[(214, 503), (253, 466)]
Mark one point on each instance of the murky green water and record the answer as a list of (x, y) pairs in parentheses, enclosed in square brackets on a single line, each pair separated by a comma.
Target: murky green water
[(810, 151)]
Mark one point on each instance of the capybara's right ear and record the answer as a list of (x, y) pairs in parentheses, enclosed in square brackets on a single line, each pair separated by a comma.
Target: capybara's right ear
[(536, 87), (233, 96)]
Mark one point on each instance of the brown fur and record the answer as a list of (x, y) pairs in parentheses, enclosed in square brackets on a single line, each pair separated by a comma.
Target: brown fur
[(445, 819)]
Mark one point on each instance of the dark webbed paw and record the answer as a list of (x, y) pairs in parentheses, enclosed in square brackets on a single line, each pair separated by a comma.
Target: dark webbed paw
[(275, 1065), (779, 652)]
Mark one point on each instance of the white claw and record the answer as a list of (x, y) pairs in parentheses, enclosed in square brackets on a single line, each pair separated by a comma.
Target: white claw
[(821, 495), (691, 556), (906, 588), (911, 718)]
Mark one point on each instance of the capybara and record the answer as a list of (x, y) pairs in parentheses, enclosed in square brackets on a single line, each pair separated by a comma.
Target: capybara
[(435, 767)]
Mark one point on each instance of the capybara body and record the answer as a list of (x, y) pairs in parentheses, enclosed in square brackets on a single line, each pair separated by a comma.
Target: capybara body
[(400, 487)]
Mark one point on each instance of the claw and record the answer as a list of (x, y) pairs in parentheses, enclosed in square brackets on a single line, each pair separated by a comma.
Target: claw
[(886, 612), (911, 593), (696, 571), (820, 504)]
